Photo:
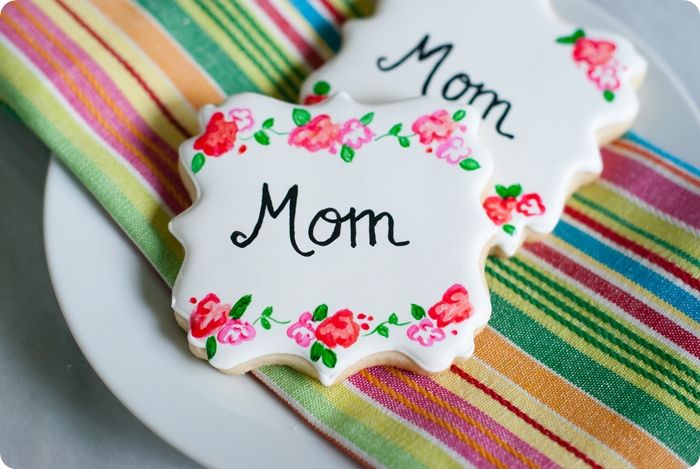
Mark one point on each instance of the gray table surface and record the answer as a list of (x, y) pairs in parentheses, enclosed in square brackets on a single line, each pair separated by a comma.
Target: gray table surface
[(54, 410)]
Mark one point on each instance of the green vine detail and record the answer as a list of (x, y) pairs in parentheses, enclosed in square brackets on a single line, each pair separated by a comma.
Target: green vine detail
[(383, 330), (262, 136), (266, 319), (395, 131)]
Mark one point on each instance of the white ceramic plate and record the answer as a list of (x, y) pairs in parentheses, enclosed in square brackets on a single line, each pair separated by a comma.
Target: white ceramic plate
[(107, 292)]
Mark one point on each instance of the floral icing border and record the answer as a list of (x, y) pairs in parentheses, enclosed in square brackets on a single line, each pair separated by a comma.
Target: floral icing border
[(440, 133), (500, 207), (322, 334), (598, 57)]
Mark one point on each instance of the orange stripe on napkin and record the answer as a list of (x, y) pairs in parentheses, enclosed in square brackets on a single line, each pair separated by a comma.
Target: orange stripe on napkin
[(558, 394), (194, 84)]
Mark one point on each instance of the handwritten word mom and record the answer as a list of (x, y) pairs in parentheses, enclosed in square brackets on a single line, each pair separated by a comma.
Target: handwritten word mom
[(326, 216), (459, 86)]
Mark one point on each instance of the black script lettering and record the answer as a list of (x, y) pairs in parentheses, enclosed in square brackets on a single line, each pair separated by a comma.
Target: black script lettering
[(373, 220), (460, 81), (423, 54), (466, 85), (329, 215), (241, 240), (337, 224)]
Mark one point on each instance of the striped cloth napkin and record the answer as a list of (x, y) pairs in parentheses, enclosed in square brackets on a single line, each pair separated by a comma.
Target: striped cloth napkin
[(592, 357)]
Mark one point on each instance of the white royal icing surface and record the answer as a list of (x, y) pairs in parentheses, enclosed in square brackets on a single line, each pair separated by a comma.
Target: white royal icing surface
[(553, 105), (428, 175)]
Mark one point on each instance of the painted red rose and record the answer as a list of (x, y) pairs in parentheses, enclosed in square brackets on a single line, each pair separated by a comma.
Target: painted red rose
[(454, 308), (318, 134), (208, 316), (219, 137), (530, 205), (314, 99), (339, 329), (593, 52), (499, 210)]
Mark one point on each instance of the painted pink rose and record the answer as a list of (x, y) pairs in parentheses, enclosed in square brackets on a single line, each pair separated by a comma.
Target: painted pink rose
[(235, 332), (453, 150), (208, 316), (355, 134), (302, 331), (436, 127), (219, 136), (605, 77), (319, 133), (454, 307), (499, 210), (593, 52), (425, 333), (530, 205), (243, 117)]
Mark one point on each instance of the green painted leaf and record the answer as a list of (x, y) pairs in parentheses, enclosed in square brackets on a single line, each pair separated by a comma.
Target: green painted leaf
[(240, 306), (320, 313), (383, 331), (267, 312), (300, 116), (470, 164), (329, 358), (396, 129), (198, 162), (211, 347), (502, 191), (265, 324), (322, 88), (515, 190), (510, 229), (566, 40), (578, 34), (609, 96), (316, 351), (268, 123), (367, 118), (459, 115), (404, 142), (347, 153), (262, 138), (417, 312), (393, 319)]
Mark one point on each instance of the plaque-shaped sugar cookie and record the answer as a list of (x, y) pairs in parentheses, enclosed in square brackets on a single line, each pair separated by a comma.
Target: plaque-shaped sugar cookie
[(549, 92), (335, 236)]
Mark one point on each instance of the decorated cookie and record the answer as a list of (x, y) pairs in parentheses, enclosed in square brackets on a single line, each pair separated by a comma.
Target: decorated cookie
[(335, 236), (549, 92)]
